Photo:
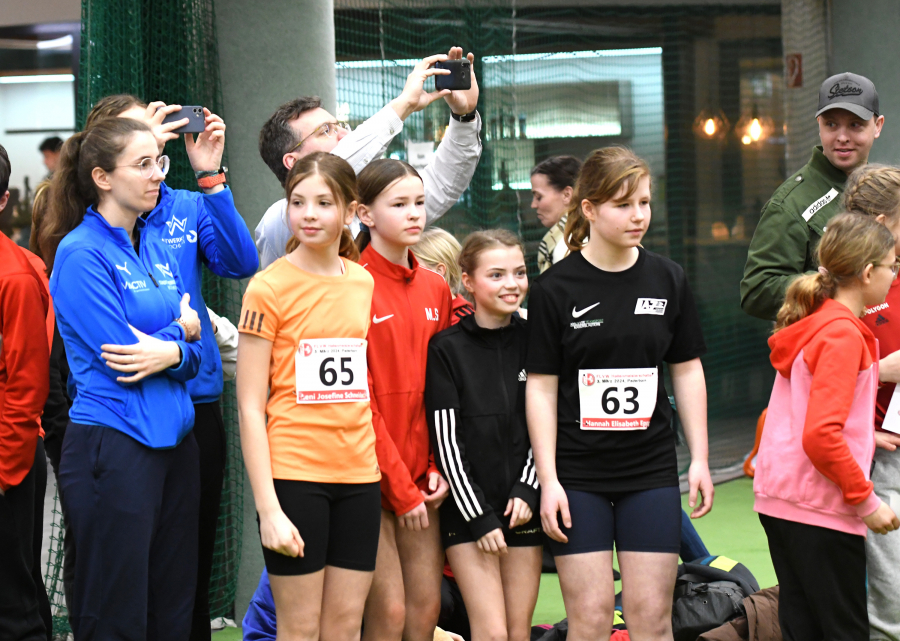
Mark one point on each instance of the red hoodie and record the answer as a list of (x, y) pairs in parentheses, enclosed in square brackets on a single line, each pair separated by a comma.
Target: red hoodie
[(24, 362), (818, 440), (410, 306)]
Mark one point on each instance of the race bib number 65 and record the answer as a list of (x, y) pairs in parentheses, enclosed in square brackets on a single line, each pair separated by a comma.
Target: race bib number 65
[(331, 370), (617, 399)]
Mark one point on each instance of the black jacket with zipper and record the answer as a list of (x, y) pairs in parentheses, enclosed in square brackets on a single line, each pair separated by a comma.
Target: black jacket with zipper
[(475, 404)]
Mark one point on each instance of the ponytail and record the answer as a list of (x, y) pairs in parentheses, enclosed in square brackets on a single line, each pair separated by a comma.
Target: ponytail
[(603, 175), (363, 238), (348, 248), (805, 295), (851, 242), (67, 202), (72, 189)]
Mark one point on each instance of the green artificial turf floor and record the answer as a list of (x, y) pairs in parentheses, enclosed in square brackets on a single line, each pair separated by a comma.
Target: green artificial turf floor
[(732, 529)]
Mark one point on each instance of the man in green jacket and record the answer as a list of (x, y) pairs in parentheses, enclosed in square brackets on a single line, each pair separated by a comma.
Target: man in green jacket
[(795, 218)]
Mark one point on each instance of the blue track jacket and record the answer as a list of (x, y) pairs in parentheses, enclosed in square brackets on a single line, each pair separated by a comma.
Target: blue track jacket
[(100, 286), (204, 229)]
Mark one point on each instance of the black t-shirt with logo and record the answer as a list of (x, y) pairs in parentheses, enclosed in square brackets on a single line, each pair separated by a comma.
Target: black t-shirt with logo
[(583, 318)]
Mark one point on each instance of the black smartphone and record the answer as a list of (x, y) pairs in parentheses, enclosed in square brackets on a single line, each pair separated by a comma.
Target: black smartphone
[(459, 78), (195, 115)]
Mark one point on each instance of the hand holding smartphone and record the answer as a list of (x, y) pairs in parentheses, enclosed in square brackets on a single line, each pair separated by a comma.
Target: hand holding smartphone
[(459, 78), (196, 120)]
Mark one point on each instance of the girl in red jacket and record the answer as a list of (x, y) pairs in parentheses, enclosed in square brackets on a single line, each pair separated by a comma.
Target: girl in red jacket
[(812, 486), (410, 305), (874, 190)]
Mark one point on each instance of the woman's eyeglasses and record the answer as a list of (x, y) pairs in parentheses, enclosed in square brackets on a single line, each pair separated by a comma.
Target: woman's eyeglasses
[(147, 166), (894, 267), (327, 129)]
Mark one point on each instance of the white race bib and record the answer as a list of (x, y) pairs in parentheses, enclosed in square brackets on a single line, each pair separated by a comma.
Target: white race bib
[(617, 399), (331, 370), (891, 421)]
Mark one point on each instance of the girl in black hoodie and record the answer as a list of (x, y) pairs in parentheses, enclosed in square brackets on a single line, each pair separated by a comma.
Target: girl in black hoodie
[(475, 404)]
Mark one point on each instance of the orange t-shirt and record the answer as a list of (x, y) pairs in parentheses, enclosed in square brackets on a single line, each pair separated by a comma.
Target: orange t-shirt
[(326, 442)]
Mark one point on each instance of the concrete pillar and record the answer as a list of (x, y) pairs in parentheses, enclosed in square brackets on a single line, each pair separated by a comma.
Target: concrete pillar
[(270, 51), (804, 33), (864, 41)]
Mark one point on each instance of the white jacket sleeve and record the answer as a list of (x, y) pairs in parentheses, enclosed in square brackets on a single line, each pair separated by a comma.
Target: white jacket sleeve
[(227, 340), (272, 234), (450, 170), (370, 140)]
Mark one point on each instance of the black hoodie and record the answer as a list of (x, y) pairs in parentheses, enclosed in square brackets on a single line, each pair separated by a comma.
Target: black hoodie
[(475, 404)]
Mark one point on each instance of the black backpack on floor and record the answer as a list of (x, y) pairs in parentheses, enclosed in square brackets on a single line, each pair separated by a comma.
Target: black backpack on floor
[(708, 593)]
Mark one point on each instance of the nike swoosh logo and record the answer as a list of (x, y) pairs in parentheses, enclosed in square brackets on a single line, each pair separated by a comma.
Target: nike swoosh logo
[(377, 320), (577, 314)]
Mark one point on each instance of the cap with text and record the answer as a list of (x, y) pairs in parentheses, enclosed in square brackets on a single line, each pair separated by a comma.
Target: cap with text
[(849, 91)]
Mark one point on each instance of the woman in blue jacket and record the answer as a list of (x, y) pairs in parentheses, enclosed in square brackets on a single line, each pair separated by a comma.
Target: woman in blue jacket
[(200, 228), (129, 468)]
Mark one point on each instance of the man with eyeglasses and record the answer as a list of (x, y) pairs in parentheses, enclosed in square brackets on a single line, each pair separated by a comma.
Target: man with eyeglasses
[(302, 126)]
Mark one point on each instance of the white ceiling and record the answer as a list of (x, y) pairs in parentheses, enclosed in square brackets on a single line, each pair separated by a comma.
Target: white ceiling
[(27, 12)]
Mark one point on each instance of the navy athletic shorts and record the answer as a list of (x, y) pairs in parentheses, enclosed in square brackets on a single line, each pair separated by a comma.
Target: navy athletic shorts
[(643, 521)]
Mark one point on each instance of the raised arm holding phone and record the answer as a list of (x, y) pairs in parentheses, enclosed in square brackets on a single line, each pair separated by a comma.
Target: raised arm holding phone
[(302, 126)]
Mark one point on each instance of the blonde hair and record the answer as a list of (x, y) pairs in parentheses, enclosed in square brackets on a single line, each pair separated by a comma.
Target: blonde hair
[(602, 175), (874, 190), (439, 247), (851, 242)]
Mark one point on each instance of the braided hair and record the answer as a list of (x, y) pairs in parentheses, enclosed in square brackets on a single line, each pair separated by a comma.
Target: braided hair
[(874, 190)]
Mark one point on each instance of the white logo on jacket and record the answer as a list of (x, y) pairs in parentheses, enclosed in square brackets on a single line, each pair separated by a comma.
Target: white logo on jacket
[(523, 376), (176, 222), (164, 269), (124, 268), (431, 313)]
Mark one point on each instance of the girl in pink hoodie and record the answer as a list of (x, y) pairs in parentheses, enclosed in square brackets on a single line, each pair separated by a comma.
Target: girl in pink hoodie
[(812, 486)]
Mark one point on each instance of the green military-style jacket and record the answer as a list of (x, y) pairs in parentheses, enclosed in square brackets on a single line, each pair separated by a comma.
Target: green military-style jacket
[(784, 243)]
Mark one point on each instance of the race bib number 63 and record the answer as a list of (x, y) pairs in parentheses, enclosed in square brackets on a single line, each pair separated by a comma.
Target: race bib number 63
[(617, 399), (331, 370)]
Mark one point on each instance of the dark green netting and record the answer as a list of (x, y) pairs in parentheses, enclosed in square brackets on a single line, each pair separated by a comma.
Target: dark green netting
[(164, 50), (557, 80)]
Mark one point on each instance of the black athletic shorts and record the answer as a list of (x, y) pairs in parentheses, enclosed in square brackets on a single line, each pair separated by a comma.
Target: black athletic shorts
[(338, 522), (455, 529), (644, 521)]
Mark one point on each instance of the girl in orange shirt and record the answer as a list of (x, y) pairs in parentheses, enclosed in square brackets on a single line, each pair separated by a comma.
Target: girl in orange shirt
[(303, 401), (410, 306)]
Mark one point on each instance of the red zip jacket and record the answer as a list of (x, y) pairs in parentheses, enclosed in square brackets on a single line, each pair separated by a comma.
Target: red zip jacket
[(409, 307), (24, 362)]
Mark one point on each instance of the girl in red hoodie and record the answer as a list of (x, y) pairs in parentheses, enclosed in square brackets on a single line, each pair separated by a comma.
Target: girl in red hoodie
[(812, 486), (410, 305)]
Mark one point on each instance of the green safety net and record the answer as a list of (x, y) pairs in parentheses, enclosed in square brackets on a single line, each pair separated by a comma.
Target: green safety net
[(163, 50), (567, 80)]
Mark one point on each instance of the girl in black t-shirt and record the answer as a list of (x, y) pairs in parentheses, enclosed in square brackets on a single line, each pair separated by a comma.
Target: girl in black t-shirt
[(602, 322)]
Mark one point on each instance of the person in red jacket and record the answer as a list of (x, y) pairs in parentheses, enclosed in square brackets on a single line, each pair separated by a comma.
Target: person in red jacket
[(813, 493), (874, 190), (24, 384), (410, 305)]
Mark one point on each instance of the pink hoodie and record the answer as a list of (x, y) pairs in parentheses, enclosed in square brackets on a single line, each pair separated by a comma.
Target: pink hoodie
[(819, 437)]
